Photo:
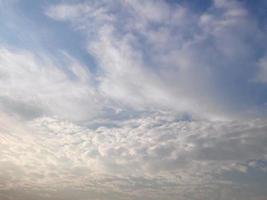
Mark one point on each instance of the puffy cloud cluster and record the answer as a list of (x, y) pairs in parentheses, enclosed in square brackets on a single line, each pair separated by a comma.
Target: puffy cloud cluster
[(151, 156)]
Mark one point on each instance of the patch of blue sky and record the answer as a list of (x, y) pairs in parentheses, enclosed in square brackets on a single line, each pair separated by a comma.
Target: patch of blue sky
[(251, 176), (259, 9)]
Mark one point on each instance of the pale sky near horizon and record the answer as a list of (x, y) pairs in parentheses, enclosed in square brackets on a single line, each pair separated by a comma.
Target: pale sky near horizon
[(132, 99)]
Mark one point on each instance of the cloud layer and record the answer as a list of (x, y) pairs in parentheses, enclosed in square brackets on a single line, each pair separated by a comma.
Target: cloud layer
[(168, 103), (152, 157)]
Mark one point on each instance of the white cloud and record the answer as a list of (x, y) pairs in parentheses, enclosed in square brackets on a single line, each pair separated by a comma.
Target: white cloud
[(144, 157), (144, 124), (35, 85), (156, 55)]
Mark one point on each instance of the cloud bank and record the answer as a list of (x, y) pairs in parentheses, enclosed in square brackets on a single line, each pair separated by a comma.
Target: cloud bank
[(153, 157)]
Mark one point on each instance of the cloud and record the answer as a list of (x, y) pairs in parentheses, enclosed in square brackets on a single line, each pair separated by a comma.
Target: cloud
[(199, 63), (262, 75), (146, 156), (176, 58), (34, 85), (173, 106)]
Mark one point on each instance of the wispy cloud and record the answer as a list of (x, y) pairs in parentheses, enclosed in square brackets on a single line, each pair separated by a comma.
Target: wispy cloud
[(33, 85), (144, 100), (174, 58)]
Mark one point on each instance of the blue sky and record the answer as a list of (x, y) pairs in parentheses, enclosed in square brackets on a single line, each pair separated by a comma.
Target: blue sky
[(129, 99)]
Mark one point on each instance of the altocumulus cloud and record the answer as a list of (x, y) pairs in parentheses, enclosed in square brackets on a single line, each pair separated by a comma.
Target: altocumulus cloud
[(151, 157), (170, 105)]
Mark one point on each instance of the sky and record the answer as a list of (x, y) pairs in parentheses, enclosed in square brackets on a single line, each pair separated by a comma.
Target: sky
[(133, 99)]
